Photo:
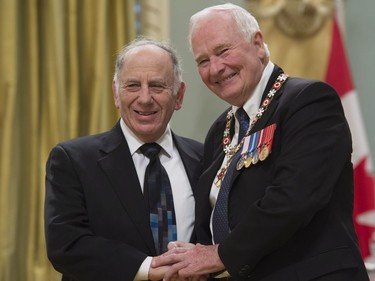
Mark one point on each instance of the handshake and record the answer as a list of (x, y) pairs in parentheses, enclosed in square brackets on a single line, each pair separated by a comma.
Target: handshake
[(185, 261)]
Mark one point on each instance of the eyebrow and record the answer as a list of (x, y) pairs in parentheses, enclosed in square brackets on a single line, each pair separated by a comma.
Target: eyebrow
[(221, 47), (216, 50), (131, 80), (162, 82)]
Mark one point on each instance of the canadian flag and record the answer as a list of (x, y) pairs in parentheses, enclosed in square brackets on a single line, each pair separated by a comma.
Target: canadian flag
[(338, 75)]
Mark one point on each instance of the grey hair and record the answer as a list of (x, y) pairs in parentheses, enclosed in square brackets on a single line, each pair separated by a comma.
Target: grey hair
[(142, 41), (246, 22)]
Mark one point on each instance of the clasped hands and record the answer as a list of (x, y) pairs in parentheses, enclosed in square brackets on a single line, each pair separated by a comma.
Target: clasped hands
[(186, 261)]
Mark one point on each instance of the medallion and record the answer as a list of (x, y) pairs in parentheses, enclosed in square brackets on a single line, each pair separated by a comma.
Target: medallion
[(240, 163), (264, 153), (255, 157), (248, 161)]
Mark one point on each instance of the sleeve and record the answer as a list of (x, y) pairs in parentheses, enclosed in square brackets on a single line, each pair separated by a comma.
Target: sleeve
[(72, 247)]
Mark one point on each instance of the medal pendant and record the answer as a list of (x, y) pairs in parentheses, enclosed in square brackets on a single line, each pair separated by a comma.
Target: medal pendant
[(248, 161), (255, 158), (240, 163), (264, 153)]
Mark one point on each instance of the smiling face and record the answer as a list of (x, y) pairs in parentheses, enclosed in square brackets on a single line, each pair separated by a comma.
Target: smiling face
[(145, 93), (230, 66)]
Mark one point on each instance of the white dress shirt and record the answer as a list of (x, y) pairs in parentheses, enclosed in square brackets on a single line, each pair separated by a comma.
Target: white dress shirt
[(183, 200)]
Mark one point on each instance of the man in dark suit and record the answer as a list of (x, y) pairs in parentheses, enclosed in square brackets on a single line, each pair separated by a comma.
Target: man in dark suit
[(97, 223), (277, 202)]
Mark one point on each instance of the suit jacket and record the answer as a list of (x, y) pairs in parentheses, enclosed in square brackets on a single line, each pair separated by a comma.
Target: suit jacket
[(291, 214), (96, 223)]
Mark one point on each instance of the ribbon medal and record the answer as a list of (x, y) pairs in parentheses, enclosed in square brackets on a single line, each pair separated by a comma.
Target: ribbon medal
[(256, 147)]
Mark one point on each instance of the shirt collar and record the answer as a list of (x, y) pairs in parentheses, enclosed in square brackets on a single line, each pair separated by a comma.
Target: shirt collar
[(134, 143), (251, 106)]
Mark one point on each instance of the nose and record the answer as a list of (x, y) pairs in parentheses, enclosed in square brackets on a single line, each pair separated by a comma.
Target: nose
[(145, 95), (216, 65)]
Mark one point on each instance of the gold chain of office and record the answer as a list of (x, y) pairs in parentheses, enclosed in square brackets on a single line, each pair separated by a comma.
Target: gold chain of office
[(231, 150)]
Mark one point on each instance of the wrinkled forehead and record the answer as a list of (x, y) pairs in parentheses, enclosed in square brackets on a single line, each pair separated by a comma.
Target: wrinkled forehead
[(147, 60)]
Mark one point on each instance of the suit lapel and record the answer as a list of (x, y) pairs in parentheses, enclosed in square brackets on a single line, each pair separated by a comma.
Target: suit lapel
[(118, 165), (261, 123), (218, 155), (188, 159), (209, 175)]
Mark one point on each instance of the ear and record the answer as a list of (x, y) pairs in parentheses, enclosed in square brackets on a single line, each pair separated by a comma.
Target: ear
[(258, 39), (180, 96), (115, 94), (259, 44)]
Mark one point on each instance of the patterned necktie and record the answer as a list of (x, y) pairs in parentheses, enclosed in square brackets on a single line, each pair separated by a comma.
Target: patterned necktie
[(220, 224), (243, 120), (158, 194)]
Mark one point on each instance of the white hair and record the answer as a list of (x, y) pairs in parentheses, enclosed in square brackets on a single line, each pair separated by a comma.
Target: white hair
[(246, 22)]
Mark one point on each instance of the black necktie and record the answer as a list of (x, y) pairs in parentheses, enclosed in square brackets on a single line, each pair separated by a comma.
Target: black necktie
[(220, 223), (158, 195)]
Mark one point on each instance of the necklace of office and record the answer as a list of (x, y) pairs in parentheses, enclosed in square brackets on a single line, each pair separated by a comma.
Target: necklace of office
[(231, 150)]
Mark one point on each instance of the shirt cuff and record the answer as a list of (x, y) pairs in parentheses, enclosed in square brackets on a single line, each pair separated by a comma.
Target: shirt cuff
[(222, 274), (142, 273)]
